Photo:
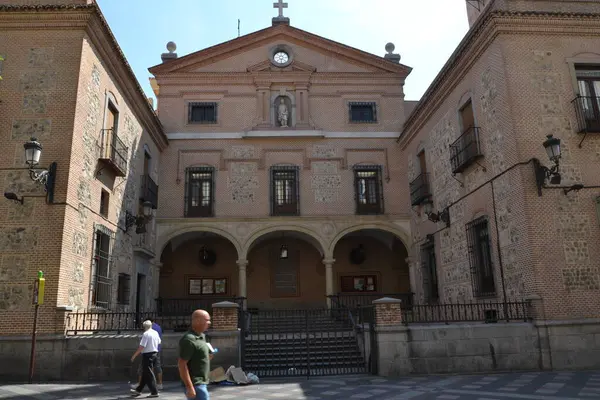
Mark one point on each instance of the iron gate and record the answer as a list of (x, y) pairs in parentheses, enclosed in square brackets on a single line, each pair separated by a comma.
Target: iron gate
[(308, 342)]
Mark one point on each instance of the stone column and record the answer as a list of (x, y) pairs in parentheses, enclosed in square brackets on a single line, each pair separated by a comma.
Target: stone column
[(329, 279), (225, 316), (302, 116), (242, 264), (391, 339)]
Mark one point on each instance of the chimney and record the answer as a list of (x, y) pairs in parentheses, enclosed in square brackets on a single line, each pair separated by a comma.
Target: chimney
[(171, 55), (390, 56)]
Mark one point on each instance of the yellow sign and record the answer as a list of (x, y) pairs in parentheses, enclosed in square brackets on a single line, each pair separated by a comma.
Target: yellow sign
[(39, 286)]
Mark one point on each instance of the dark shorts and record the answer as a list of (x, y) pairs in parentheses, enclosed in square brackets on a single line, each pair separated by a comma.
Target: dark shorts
[(157, 366)]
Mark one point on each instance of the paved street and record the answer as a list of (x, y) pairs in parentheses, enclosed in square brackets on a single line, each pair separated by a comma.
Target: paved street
[(526, 386)]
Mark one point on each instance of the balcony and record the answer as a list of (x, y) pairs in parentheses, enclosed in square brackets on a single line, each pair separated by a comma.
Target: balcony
[(465, 150), (113, 152), (419, 189), (149, 191), (587, 110)]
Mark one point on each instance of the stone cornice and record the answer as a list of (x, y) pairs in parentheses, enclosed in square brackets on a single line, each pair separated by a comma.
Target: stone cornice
[(90, 19), (243, 43), (478, 40)]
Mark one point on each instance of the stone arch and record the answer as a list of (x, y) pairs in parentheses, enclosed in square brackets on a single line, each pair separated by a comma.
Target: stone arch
[(165, 239), (396, 231), (316, 238)]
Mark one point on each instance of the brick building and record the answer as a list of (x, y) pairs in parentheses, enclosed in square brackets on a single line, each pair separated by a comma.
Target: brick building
[(66, 83), (292, 168), (525, 70)]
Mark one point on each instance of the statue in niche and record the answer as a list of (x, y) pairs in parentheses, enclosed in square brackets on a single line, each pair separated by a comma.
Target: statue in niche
[(282, 114)]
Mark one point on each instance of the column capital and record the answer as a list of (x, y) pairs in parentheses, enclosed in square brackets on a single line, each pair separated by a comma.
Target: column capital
[(242, 263), (328, 261)]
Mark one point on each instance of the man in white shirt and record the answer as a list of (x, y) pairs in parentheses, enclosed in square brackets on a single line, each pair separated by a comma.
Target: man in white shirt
[(149, 349)]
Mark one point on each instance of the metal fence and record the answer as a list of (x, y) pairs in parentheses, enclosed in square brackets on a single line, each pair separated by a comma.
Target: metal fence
[(488, 312), (98, 322)]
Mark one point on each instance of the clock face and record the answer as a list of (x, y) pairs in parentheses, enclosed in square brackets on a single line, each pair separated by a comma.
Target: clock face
[(281, 57)]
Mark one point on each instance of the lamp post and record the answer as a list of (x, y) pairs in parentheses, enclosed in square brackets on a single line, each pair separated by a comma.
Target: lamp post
[(45, 177), (543, 173), (141, 220)]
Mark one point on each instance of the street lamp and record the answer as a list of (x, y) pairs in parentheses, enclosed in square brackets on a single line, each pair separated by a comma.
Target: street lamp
[(141, 220), (443, 215), (46, 177), (543, 173)]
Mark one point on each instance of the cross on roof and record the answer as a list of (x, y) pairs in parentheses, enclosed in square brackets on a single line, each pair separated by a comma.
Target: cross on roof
[(281, 5)]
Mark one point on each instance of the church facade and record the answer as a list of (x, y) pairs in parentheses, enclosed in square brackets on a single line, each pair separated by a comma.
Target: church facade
[(282, 182)]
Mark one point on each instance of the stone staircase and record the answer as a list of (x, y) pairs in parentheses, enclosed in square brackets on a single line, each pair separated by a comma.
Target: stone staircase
[(310, 342)]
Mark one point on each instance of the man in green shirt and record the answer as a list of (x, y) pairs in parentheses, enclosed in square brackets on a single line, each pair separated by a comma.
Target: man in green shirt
[(194, 357)]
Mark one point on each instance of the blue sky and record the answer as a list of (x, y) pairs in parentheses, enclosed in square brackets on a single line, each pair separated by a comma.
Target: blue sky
[(425, 32)]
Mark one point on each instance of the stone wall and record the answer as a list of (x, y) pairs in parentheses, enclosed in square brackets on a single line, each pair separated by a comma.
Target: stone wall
[(99, 357), (484, 348)]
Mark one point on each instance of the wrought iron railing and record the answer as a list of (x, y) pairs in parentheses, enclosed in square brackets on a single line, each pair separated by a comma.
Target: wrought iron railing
[(468, 312), (96, 321), (587, 111), (113, 150), (149, 191), (465, 150), (185, 306), (354, 300), (419, 189)]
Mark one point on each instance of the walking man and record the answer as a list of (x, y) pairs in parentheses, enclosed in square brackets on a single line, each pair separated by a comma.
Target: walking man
[(157, 364), (149, 349), (194, 357)]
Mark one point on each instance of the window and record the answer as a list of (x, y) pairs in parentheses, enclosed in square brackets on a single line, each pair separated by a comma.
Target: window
[(104, 203), (588, 101), (202, 113), (112, 149), (480, 254), (429, 267), (465, 150), (359, 283), (207, 286), (199, 190), (368, 187), (124, 289), (284, 190), (101, 267), (365, 112)]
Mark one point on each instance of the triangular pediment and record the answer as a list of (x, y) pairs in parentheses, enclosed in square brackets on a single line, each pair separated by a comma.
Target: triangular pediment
[(250, 53)]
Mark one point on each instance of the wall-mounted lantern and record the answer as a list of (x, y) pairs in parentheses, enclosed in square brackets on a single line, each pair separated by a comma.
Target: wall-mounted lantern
[(543, 173), (46, 177), (139, 221), (443, 215)]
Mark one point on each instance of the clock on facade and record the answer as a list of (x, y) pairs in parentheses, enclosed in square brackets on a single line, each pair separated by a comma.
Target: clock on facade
[(281, 57)]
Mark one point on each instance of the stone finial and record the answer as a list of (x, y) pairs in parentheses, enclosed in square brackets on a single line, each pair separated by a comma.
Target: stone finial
[(391, 56), (171, 55)]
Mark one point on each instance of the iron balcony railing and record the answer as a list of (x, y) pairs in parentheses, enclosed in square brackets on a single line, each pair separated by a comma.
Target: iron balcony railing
[(149, 191), (96, 321), (465, 150), (419, 189), (488, 312), (113, 151), (587, 111)]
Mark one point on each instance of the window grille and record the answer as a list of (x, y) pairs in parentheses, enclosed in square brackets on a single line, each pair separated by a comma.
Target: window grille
[(480, 255), (202, 113), (368, 189), (429, 269), (199, 191), (362, 112), (101, 267), (285, 193)]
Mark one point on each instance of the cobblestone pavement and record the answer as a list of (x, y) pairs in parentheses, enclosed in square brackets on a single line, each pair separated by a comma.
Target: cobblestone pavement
[(526, 386)]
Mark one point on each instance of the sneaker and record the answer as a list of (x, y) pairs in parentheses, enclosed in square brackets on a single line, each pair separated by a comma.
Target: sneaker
[(135, 393), (152, 395), (159, 386), (134, 386)]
